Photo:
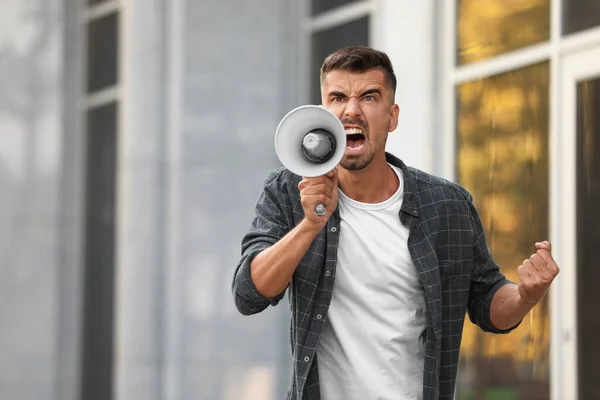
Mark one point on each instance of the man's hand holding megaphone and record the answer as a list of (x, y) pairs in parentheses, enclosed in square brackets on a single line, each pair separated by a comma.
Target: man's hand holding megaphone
[(310, 141), (319, 190)]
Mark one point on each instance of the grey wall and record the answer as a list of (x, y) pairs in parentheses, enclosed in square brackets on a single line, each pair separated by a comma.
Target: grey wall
[(31, 69), (235, 94), (204, 87)]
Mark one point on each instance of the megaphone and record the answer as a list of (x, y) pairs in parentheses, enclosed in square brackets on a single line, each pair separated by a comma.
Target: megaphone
[(310, 141)]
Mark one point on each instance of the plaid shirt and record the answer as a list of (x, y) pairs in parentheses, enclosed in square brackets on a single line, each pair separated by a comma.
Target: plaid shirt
[(448, 247)]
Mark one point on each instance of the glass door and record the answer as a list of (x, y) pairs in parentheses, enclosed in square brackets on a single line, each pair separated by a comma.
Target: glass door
[(577, 234)]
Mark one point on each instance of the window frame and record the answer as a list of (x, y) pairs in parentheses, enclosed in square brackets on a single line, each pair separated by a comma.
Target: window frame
[(576, 68)]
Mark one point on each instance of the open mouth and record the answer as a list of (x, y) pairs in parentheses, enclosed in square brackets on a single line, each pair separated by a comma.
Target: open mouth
[(354, 138)]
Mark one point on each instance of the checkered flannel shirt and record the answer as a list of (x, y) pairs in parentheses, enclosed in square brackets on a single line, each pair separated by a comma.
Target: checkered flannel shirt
[(448, 248)]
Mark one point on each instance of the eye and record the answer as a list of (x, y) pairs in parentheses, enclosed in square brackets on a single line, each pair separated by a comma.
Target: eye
[(337, 99), (369, 98)]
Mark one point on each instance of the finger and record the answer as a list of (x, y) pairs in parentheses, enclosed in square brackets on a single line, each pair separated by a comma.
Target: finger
[(303, 183), (316, 189), (327, 182), (546, 256), (540, 265), (541, 246), (537, 261), (311, 201), (523, 273), (550, 265), (315, 198), (306, 182), (533, 271), (545, 245)]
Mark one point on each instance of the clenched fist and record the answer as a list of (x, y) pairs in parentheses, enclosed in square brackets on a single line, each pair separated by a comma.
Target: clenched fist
[(319, 190), (537, 273)]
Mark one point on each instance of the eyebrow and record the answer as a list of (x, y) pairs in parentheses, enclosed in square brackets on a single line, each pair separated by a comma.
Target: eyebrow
[(370, 91), (365, 93)]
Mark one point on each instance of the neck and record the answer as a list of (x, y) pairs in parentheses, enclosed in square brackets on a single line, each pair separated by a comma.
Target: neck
[(373, 184)]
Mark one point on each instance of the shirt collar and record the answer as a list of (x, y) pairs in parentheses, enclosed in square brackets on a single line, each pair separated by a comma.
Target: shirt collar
[(409, 202)]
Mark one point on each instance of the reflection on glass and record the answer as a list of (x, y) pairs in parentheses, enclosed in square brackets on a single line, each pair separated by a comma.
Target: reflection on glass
[(326, 42), (588, 236), (492, 27), (578, 15), (502, 126)]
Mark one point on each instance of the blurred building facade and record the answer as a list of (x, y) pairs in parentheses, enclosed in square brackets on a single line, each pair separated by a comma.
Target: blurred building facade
[(135, 137)]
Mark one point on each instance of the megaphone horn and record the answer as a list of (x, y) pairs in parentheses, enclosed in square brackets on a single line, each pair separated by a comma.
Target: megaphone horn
[(310, 141)]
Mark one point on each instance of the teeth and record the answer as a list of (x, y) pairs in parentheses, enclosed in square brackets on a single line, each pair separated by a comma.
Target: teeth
[(355, 148), (354, 131)]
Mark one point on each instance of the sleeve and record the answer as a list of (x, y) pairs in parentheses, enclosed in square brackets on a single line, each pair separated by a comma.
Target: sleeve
[(486, 278), (267, 228)]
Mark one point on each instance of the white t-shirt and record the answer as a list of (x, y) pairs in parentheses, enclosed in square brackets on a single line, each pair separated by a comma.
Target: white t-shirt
[(371, 347)]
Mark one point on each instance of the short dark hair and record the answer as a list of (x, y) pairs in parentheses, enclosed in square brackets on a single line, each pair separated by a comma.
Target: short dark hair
[(359, 59)]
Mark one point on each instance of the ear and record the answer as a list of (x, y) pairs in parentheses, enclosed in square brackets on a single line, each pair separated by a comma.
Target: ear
[(394, 112)]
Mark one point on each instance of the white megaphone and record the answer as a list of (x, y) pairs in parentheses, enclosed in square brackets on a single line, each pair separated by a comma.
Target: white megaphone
[(310, 141)]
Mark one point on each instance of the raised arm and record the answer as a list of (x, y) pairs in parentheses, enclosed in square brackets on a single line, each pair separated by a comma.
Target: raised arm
[(513, 302), (496, 304), (271, 251)]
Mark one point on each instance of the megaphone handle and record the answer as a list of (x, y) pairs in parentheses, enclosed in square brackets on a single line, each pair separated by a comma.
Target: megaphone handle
[(320, 210)]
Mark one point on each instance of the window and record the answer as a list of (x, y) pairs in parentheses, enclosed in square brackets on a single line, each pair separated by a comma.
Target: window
[(101, 99), (346, 23), (506, 140), (99, 253), (588, 235), (320, 6), (325, 42), (502, 128), (492, 27), (579, 15), (94, 2), (102, 52)]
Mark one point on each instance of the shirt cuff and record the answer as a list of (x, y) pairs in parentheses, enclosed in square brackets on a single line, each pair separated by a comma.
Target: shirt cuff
[(487, 301), (247, 297)]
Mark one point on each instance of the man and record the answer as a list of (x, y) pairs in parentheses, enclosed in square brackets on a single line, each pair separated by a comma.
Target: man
[(380, 285)]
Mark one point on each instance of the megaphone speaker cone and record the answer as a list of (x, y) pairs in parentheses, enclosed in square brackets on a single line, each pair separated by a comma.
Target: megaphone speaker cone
[(319, 145), (310, 141)]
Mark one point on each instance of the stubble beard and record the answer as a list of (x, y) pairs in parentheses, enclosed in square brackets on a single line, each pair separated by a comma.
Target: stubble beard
[(354, 163)]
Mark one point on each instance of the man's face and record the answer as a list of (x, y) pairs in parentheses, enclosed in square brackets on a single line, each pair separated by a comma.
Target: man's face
[(365, 105)]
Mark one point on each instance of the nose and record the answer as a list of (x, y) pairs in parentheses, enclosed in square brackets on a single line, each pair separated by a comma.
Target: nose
[(352, 108)]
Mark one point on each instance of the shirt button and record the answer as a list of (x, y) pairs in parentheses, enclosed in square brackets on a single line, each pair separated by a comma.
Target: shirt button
[(334, 229), (327, 273), (306, 359), (319, 316)]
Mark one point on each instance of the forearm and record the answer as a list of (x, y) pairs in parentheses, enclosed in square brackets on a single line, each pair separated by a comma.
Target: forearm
[(508, 308), (272, 269)]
